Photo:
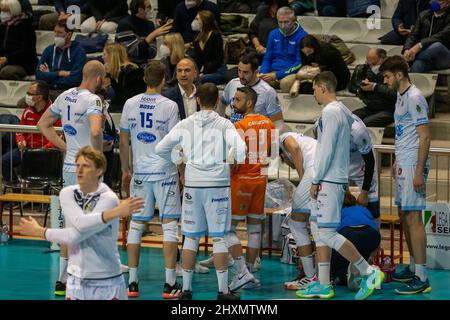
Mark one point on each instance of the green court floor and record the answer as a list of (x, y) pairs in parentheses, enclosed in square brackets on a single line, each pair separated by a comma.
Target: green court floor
[(28, 272)]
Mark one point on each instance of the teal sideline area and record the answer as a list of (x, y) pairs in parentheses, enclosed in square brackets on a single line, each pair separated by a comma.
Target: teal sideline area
[(27, 272)]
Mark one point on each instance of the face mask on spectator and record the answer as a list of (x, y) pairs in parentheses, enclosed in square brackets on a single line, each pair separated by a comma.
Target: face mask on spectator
[(149, 15), (196, 26), (285, 28), (5, 16), (29, 100), (190, 3), (164, 51), (60, 41)]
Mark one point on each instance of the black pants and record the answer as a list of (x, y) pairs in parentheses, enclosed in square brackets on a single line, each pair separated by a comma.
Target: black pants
[(375, 118), (393, 38), (365, 239)]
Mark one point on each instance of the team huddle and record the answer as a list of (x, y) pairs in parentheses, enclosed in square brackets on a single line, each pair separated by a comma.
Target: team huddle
[(210, 173)]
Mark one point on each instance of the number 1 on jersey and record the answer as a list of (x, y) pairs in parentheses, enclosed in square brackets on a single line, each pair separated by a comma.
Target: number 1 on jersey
[(68, 113), (146, 120)]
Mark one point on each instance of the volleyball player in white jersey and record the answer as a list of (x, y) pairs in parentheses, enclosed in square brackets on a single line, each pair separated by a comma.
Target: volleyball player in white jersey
[(146, 119), (298, 152), (362, 167), (412, 145), (267, 103), (81, 115), (92, 213), (331, 168), (207, 140)]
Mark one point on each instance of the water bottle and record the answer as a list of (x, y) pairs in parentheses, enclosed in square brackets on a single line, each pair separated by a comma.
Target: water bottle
[(387, 268), (4, 236)]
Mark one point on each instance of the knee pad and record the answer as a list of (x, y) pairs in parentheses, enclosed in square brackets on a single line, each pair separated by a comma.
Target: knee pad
[(300, 232), (219, 245), (315, 233), (254, 235), (170, 231), (232, 239), (331, 238), (135, 232), (191, 244)]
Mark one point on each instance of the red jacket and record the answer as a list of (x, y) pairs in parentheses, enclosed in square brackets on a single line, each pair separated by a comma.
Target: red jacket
[(30, 117)]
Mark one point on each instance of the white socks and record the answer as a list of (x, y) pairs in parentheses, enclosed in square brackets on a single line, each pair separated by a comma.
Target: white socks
[(241, 266), (133, 275), (421, 272), (187, 279), (222, 279), (363, 267), (308, 266), (63, 269), (171, 276), (412, 264), (324, 273)]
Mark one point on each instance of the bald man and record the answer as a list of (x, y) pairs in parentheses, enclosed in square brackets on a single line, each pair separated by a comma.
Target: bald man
[(81, 115), (184, 92), (379, 100)]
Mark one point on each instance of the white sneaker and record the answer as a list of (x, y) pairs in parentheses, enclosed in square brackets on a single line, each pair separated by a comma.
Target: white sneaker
[(201, 269), (299, 284), (209, 263), (252, 285), (124, 268), (240, 280), (256, 265), (179, 270)]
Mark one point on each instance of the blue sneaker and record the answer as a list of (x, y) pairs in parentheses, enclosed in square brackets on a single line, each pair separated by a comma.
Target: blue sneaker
[(316, 290), (415, 286), (405, 275), (369, 283)]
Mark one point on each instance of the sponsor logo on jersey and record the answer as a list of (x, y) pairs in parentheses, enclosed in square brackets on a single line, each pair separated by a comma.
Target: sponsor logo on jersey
[(69, 99), (71, 131), (400, 171), (146, 137), (244, 194), (222, 211), (188, 196), (220, 199), (98, 103), (138, 182), (171, 183), (188, 212), (188, 222), (419, 109), (147, 106), (148, 99)]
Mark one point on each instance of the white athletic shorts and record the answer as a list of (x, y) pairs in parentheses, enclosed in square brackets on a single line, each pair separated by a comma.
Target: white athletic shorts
[(206, 211), (327, 209), (302, 196), (405, 196), (105, 289), (166, 192)]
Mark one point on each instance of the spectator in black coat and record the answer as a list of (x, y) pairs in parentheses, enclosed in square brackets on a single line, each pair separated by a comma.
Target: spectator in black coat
[(427, 48), (166, 10), (17, 42), (403, 20), (208, 48), (106, 14), (325, 56), (186, 12), (125, 78), (379, 99), (137, 32)]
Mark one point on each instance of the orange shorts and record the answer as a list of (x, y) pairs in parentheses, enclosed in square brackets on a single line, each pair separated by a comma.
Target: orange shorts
[(247, 196)]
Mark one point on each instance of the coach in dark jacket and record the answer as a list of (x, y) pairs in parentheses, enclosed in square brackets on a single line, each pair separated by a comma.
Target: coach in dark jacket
[(378, 98), (17, 46), (403, 20), (428, 46)]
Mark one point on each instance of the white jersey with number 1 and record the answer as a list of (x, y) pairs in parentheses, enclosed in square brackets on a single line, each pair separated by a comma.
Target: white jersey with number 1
[(74, 107)]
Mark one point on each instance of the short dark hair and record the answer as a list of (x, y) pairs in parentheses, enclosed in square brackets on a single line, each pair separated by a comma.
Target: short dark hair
[(63, 24), (42, 88), (135, 5), (154, 73), (250, 59), (208, 93), (328, 79), (249, 94), (395, 64), (381, 53)]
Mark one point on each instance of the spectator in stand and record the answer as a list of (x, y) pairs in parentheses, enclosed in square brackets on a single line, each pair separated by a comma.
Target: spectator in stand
[(186, 12), (171, 52), (302, 6), (325, 56), (48, 21), (17, 42), (238, 6), (208, 48), (106, 14), (282, 57), (344, 8), (403, 20), (427, 48), (124, 77), (265, 21), (61, 64), (138, 32), (379, 98), (37, 102), (166, 10)]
